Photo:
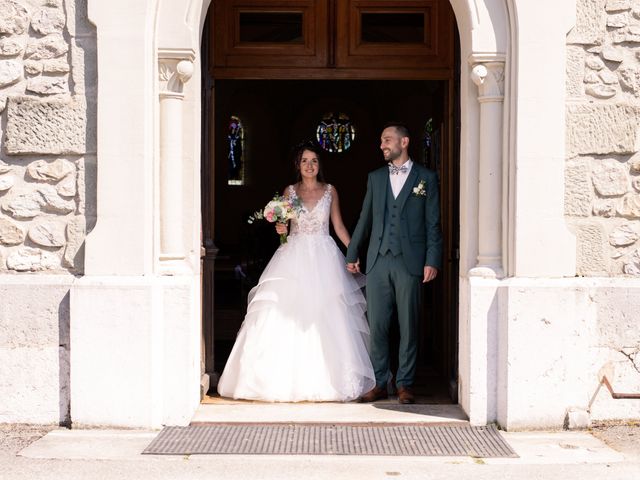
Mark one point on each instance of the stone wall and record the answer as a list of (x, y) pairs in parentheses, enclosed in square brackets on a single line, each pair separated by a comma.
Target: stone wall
[(603, 116), (48, 83), (602, 196)]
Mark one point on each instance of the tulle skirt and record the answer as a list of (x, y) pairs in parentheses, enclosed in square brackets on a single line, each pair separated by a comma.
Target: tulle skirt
[(305, 334)]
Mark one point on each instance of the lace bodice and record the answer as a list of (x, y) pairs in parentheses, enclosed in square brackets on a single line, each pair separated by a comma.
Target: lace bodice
[(316, 220)]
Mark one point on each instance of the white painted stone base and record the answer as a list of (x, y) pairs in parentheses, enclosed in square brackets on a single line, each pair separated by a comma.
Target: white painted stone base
[(135, 358), (533, 349), (34, 348)]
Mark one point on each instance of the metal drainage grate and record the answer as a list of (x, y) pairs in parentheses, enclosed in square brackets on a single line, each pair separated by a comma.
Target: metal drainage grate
[(410, 440)]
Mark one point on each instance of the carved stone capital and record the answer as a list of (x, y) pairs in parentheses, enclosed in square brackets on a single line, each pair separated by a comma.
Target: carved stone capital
[(489, 77), (175, 68)]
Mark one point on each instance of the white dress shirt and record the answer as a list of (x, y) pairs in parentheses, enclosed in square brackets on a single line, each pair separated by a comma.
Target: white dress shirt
[(398, 180)]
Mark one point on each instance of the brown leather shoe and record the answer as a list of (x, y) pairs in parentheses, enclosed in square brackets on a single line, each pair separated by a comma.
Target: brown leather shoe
[(373, 395), (405, 395)]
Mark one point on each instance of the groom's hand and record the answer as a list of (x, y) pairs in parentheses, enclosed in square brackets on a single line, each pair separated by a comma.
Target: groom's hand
[(429, 274), (354, 267)]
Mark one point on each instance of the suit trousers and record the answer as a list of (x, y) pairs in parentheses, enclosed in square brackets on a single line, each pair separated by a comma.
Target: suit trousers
[(389, 286)]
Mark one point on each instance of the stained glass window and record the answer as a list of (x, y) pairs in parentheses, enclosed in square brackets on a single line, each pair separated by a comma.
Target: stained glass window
[(235, 156), (427, 136), (335, 133)]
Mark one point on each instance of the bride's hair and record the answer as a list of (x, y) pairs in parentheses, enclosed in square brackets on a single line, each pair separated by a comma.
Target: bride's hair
[(312, 147)]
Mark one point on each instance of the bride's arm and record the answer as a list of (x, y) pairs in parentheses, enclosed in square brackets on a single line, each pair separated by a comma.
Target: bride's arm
[(336, 219)]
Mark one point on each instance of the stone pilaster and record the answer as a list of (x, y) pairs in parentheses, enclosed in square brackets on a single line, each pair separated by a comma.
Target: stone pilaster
[(175, 69), (488, 74)]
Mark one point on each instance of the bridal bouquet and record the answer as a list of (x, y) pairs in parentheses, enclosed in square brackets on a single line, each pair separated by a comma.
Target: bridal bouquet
[(280, 209)]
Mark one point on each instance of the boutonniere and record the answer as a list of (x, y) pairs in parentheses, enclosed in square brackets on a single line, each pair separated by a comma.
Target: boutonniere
[(420, 190)]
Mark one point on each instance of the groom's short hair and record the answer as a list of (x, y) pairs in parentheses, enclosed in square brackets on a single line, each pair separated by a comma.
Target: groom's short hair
[(400, 127)]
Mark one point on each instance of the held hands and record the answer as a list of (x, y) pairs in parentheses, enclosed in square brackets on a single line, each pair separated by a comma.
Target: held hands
[(354, 267), (281, 228), (429, 274)]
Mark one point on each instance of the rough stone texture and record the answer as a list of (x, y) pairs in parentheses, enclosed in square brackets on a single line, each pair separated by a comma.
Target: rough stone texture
[(602, 129), (76, 231), (635, 183), (632, 266), (613, 54), (67, 187), (50, 127), (601, 91), (634, 164), (10, 232), (48, 20), (591, 77), (605, 208), (33, 68), (578, 192), (618, 20), (50, 171), (6, 182), (10, 72), (608, 77), (593, 62), (51, 46), (47, 49), (55, 66), (11, 47), (28, 259), (630, 206), (624, 235), (610, 178), (24, 206), (590, 23), (630, 79), (575, 71), (48, 85), (616, 5), (52, 202), (48, 233), (14, 18), (591, 257)]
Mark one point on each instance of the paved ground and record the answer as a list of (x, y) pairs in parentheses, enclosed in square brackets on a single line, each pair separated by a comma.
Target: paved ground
[(623, 437), (115, 454)]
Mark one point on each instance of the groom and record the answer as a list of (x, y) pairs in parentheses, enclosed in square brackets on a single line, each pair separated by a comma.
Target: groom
[(401, 215)]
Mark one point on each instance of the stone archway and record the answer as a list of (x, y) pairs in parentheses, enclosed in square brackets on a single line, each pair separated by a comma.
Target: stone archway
[(485, 31), (499, 216)]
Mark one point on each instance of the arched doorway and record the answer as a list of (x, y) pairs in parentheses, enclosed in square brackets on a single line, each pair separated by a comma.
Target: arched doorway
[(251, 79), (161, 90)]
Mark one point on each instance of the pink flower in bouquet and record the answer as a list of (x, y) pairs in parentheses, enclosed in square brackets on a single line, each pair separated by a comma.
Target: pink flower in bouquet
[(280, 209)]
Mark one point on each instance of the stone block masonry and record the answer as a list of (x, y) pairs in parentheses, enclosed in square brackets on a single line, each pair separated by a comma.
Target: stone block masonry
[(602, 196), (47, 53)]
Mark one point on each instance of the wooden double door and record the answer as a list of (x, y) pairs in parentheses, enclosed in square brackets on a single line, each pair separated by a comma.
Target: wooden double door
[(261, 98)]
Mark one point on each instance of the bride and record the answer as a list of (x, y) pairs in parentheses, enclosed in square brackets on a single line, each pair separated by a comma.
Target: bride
[(305, 334)]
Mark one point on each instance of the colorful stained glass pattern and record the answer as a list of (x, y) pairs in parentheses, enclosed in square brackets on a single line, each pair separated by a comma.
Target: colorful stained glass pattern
[(335, 133), (427, 142), (235, 155)]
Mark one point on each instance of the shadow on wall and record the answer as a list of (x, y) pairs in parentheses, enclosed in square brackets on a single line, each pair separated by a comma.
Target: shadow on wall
[(64, 370)]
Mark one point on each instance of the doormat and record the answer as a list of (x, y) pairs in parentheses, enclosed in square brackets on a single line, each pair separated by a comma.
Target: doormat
[(278, 439)]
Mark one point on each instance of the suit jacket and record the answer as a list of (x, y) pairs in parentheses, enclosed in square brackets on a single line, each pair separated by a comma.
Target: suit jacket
[(421, 239)]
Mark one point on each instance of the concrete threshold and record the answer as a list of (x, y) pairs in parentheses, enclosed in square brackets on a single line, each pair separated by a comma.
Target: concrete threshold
[(331, 413)]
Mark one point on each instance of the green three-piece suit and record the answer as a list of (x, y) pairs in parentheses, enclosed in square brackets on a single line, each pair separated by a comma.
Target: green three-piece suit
[(404, 237)]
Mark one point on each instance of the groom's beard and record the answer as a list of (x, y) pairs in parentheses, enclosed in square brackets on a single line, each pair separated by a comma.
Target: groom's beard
[(393, 154)]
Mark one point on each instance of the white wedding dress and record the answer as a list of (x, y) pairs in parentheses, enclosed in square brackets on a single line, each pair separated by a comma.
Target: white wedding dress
[(305, 334)]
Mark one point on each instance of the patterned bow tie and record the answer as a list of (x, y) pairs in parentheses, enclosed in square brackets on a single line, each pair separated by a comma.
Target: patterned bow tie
[(395, 170)]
